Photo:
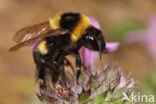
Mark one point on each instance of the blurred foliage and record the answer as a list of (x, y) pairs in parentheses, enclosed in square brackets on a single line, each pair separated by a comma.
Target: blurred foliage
[(32, 100), (118, 30), (149, 85)]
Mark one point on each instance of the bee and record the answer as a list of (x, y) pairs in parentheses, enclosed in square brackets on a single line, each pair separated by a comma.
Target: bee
[(62, 35)]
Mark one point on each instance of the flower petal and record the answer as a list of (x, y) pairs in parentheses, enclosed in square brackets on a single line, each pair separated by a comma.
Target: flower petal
[(151, 36), (94, 22), (112, 46), (122, 82), (89, 57), (135, 37), (33, 45)]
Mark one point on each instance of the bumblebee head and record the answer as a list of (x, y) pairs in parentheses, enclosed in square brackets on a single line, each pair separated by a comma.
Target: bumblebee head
[(93, 39)]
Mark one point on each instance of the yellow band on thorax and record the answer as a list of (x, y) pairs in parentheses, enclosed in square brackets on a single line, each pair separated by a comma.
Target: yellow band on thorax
[(55, 21), (80, 28)]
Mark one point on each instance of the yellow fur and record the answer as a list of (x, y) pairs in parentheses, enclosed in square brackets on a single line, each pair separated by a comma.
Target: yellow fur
[(42, 48), (78, 31), (80, 28), (55, 21)]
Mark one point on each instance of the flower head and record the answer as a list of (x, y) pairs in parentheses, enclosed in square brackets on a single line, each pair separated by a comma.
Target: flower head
[(103, 84)]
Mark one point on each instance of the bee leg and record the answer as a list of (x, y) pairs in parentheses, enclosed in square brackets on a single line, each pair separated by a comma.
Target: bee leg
[(78, 65), (57, 67), (43, 87), (40, 66), (54, 70), (67, 62), (78, 74), (60, 65)]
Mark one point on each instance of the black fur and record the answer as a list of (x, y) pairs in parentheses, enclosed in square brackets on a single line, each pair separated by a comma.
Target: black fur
[(69, 20), (59, 46), (93, 38)]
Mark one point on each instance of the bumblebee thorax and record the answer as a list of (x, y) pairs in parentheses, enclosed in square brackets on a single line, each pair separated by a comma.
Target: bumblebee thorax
[(75, 22), (79, 30)]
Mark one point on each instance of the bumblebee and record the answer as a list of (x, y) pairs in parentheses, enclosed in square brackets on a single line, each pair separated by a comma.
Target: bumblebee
[(62, 35)]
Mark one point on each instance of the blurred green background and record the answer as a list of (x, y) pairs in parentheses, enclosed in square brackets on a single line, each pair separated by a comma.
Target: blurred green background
[(116, 17)]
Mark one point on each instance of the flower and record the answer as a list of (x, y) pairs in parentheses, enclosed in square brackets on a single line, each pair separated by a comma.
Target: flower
[(126, 81), (94, 22), (98, 86), (112, 46), (146, 37), (89, 56), (33, 45)]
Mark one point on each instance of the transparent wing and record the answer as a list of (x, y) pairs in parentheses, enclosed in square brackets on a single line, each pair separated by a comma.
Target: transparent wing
[(30, 32), (50, 33)]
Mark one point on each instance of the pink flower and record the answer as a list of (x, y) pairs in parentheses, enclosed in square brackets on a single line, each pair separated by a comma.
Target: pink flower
[(122, 82), (94, 22), (146, 37), (33, 45), (112, 46), (126, 81), (89, 56)]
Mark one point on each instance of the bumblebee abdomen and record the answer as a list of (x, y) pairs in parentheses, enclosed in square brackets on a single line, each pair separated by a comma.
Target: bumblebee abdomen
[(42, 47)]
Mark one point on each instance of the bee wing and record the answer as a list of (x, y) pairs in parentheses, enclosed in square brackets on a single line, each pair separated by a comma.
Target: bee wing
[(30, 41), (30, 32)]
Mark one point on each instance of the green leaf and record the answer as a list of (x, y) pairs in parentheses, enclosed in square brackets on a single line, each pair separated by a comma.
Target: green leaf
[(118, 102), (99, 99), (93, 84), (84, 97)]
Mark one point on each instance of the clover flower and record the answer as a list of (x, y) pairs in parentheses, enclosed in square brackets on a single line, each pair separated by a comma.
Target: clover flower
[(102, 85)]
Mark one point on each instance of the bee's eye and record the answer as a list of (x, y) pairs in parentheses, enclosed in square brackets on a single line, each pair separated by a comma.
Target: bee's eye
[(89, 38)]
